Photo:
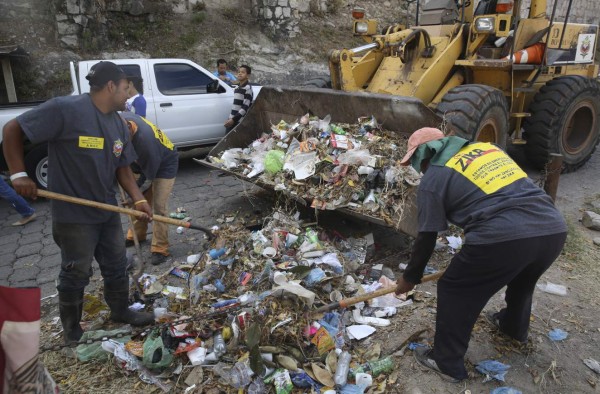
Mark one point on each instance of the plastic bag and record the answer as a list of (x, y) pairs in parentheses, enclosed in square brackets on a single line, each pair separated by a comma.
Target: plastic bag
[(505, 390), (156, 355), (94, 351), (361, 157), (493, 369), (316, 275), (274, 161), (552, 288), (231, 156), (557, 334)]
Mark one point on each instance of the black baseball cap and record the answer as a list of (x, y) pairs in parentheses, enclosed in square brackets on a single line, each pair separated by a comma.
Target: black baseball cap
[(102, 72)]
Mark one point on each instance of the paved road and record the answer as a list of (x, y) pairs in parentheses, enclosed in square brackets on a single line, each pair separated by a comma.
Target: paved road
[(29, 256)]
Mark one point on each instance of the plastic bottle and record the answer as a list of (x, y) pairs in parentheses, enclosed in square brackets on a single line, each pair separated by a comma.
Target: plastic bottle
[(339, 336), (337, 129), (375, 368), (224, 303), (341, 372), (219, 346), (312, 236), (216, 253)]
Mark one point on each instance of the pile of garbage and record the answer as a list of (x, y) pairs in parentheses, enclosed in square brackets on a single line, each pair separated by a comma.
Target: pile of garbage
[(354, 166), (242, 311)]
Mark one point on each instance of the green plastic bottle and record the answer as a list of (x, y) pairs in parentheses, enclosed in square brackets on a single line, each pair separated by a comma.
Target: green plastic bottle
[(337, 129), (375, 368)]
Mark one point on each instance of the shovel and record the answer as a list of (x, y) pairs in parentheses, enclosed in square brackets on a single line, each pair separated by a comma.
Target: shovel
[(127, 211), (365, 297), (138, 269)]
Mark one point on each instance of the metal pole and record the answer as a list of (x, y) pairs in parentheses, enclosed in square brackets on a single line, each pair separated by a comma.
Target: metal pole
[(564, 24), (553, 169), (417, 17), (364, 48)]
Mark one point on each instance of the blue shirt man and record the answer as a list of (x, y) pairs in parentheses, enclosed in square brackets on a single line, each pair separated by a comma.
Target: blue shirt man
[(223, 74)]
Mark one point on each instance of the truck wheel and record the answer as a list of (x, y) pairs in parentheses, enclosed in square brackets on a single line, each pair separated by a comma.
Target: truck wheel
[(564, 119), (476, 113), (36, 165)]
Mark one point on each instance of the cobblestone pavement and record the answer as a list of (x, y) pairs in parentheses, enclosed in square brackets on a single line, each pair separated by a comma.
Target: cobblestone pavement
[(29, 256)]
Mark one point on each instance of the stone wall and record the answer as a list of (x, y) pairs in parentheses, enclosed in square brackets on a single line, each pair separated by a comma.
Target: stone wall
[(582, 11), (281, 17), (28, 23)]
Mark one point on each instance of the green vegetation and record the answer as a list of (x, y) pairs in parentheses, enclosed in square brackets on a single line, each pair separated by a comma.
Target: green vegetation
[(198, 17)]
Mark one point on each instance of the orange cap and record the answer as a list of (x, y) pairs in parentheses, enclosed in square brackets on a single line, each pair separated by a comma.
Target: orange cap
[(419, 137)]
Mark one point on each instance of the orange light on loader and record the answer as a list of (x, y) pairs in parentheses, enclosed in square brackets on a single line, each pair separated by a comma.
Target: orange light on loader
[(358, 13), (529, 55), (504, 6)]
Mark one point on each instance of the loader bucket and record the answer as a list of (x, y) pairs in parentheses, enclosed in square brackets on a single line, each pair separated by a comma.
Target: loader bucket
[(273, 104)]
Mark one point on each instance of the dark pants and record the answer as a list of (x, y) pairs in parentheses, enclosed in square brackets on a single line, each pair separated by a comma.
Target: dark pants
[(475, 274), (80, 243)]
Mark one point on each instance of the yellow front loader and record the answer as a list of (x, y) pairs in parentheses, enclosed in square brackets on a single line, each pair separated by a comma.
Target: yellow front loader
[(491, 73)]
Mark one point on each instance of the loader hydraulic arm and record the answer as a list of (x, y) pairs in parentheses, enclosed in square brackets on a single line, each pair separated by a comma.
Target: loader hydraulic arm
[(352, 69)]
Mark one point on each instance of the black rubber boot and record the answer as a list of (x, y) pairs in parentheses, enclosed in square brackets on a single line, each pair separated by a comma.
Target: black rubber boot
[(116, 295), (70, 306)]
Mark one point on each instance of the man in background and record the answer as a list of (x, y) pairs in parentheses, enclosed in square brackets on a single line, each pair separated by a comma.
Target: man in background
[(223, 74), (242, 98), (158, 162), (136, 102)]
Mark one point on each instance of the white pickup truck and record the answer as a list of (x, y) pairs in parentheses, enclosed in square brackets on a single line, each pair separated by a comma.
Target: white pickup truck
[(185, 100)]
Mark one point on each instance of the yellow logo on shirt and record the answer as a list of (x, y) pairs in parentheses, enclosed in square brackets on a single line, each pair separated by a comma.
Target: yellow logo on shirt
[(159, 135), (91, 142), (487, 166)]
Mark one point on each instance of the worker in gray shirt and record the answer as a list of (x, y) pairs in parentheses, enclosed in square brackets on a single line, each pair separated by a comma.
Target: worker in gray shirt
[(88, 150), (513, 233), (158, 162)]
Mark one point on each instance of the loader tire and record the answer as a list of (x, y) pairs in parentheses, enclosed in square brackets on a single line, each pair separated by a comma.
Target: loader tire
[(565, 119), (476, 113)]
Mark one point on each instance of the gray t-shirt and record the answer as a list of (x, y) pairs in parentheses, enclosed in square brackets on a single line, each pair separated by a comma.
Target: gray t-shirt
[(483, 191), (85, 148), (157, 157)]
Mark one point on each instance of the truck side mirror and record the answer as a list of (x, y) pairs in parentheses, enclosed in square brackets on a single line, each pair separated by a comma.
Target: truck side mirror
[(213, 87)]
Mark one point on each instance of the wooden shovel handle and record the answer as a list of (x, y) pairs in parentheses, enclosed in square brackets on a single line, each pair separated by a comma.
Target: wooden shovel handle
[(368, 296), (114, 208)]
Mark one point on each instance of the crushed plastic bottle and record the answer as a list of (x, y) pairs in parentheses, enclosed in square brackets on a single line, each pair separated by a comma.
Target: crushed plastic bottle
[(341, 372), (219, 346)]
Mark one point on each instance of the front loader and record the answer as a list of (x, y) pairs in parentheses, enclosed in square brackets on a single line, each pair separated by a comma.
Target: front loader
[(491, 73)]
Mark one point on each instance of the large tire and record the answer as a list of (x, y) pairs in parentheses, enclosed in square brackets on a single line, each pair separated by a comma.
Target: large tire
[(565, 119), (476, 113), (36, 165)]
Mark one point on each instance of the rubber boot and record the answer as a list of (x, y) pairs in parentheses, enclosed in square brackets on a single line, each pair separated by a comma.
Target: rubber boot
[(116, 295), (70, 306)]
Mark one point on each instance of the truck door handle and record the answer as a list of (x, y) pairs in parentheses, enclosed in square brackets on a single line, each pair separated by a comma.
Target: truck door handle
[(166, 104)]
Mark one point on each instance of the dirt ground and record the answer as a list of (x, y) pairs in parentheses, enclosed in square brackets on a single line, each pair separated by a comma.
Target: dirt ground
[(542, 366)]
